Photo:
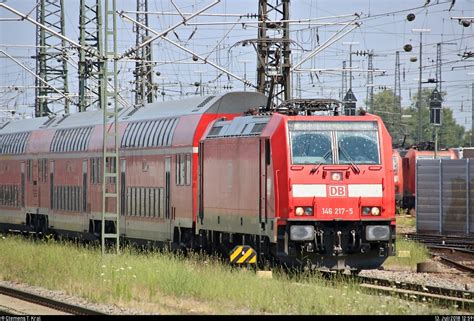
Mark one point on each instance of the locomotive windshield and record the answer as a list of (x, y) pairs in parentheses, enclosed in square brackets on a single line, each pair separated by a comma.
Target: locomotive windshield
[(334, 142)]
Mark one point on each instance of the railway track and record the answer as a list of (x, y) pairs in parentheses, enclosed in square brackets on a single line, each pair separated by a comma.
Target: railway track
[(47, 302), (442, 296), (432, 240)]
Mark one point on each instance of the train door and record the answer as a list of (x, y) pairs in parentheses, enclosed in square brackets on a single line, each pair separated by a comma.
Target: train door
[(168, 215), (123, 195), (35, 200), (52, 195), (264, 161), (85, 189), (22, 187)]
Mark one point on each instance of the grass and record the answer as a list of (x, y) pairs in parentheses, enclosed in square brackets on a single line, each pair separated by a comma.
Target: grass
[(405, 221), (416, 253), (170, 283)]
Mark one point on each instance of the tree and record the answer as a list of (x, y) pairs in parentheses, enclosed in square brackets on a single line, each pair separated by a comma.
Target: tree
[(450, 134), (385, 106)]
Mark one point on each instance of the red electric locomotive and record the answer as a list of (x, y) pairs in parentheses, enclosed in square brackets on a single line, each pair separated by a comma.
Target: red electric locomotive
[(306, 189), (198, 173), (398, 176)]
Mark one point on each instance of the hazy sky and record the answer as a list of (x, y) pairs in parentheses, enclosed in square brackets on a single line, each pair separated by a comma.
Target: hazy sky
[(384, 29)]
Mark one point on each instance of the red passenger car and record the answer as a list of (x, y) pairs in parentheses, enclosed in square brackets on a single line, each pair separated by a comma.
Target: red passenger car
[(197, 173), (409, 171)]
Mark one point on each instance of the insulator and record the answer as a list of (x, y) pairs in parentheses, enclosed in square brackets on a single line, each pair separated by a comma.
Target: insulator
[(413, 58), (407, 47), (411, 17), (466, 23)]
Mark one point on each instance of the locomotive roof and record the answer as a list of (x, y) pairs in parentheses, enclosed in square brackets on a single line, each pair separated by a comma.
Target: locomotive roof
[(234, 102)]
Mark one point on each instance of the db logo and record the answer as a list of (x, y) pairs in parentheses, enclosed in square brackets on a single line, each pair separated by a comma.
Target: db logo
[(337, 191)]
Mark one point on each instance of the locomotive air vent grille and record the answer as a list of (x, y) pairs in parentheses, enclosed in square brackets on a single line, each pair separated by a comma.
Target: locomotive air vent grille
[(205, 101), (151, 133), (71, 140), (13, 143)]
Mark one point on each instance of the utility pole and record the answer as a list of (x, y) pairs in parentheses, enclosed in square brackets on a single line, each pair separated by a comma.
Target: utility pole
[(110, 153), (51, 58), (144, 87), (273, 51), (344, 80), (90, 35), (370, 81), (397, 91), (472, 115), (420, 126)]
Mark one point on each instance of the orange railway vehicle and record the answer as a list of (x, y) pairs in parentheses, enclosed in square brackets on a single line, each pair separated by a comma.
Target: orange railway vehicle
[(197, 173), (409, 171)]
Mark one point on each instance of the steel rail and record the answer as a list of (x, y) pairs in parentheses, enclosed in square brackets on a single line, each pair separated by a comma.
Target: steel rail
[(47, 302), (445, 296), (457, 264)]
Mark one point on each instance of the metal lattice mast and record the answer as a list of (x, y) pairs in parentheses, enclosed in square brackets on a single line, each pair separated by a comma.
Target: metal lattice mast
[(370, 82), (344, 80), (438, 67), (273, 50), (110, 155), (397, 90), (90, 35), (51, 64), (144, 88)]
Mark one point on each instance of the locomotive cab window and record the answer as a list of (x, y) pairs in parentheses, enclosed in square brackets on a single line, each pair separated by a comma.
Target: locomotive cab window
[(334, 142)]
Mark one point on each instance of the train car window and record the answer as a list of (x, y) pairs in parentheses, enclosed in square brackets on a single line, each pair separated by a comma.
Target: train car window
[(311, 147), (165, 127), (358, 147), (76, 138), (13, 143), (142, 201), (129, 133), (147, 202), (132, 201), (133, 139), (162, 202), (71, 139), (145, 133), (169, 140), (28, 170), (188, 169), (214, 131), (151, 133), (257, 128), (315, 142), (156, 134)]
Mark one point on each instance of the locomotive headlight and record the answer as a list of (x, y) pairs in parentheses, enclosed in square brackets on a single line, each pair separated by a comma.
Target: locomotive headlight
[(302, 233), (377, 233), (308, 211), (299, 211), (336, 176), (375, 211), (371, 210)]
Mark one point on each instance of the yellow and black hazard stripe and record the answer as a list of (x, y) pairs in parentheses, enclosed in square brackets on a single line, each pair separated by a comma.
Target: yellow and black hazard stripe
[(243, 254)]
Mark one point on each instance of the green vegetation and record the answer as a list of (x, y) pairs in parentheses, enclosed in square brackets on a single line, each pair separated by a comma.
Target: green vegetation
[(414, 251), (167, 283), (450, 134), (405, 221)]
